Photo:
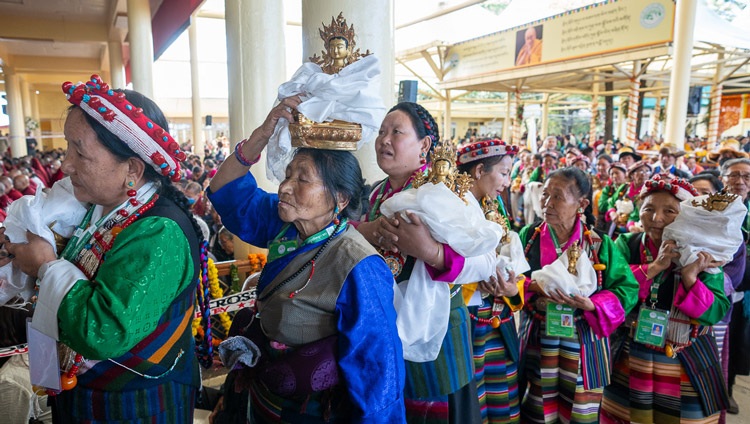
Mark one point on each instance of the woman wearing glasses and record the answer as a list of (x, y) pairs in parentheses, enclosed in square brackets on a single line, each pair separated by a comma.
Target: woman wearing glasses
[(736, 176)]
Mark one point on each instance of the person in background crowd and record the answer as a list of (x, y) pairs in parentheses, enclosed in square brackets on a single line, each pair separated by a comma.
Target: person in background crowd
[(736, 176)]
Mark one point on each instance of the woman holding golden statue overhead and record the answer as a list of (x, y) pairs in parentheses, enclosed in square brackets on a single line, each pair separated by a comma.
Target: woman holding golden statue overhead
[(323, 346), (440, 383), (579, 291)]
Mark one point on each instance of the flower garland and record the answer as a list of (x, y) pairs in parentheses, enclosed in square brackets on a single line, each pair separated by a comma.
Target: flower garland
[(216, 293), (257, 261)]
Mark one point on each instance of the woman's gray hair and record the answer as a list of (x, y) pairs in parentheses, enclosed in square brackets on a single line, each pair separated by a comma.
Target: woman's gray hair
[(731, 162)]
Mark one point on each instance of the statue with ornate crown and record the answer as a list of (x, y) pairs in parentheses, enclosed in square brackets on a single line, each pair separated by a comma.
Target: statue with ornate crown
[(341, 106), (442, 201)]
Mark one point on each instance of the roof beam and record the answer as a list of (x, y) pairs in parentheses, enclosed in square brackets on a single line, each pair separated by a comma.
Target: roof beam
[(12, 27), (33, 64)]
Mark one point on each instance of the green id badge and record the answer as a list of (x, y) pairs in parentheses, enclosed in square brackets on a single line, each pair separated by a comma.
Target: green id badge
[(651, 327), (560, 320), (278, 249)]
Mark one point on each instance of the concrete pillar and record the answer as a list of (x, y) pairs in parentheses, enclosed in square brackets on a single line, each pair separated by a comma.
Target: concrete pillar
[(116, 68), (518, 120), (447, 122), (679, 83), (715, 109), (197, 135), (141, 46), (25, 99), (17, 136), (36, 116), (620, 118), (374, 26)]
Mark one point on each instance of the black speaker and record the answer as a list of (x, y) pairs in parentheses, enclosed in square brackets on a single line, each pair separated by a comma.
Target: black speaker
[(407, 91), (209, 120), (694, 101)]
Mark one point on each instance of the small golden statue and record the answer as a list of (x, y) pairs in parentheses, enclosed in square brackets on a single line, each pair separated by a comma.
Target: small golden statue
[(717, 201), (574, 252), (443, 171), (338, 39), (339, 42), (490, 207)]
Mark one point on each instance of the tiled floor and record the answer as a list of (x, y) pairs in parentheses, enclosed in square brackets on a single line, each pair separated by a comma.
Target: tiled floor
[(742, 396)]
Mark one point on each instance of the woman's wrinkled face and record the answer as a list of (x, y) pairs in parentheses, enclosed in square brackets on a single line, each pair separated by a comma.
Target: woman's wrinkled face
[(561, 201), (657, 211), (494, 180), (398, 147), (639, 176), (97, 175), (737, 179), (549, 162), (303, 199)]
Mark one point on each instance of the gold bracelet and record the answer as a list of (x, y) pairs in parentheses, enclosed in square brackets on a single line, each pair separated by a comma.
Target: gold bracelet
[(437, 257)]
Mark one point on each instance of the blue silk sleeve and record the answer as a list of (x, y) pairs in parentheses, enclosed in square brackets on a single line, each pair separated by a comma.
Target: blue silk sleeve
[(247, 211), (370, 355)]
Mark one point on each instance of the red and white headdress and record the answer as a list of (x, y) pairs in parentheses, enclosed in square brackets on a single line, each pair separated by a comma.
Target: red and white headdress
[(679, 187), (484, 149), (145, 137)]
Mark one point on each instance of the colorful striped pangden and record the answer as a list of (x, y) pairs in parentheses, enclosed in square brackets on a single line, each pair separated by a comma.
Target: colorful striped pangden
[(553, 370)]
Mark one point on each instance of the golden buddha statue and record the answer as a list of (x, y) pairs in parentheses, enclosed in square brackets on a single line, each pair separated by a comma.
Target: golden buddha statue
[(339, 52), (443, 171)]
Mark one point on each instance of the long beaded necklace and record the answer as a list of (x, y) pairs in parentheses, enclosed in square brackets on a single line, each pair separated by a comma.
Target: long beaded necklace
[(593, 255), (681, 331), (395, 260), (84, 260), (311, 264)]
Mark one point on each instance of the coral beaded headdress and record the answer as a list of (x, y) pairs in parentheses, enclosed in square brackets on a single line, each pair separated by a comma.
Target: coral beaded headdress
[(484, 149), (145, 137), (678, 187)]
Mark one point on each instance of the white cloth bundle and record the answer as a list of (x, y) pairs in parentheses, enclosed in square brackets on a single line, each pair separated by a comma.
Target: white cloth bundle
[(352, 95), (422, 304), (624, 206), (532, 201), (556, 276), (41, 214), (511, 257), (696, 229)]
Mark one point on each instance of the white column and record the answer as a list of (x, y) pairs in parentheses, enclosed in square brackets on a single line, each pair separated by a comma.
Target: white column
[(679, 83), (255, 30), (37, 117), (234, 71), (374, 26), (198, 137), (141, 46), (25, 99), (116, 68), (447, 122), (17, 136)]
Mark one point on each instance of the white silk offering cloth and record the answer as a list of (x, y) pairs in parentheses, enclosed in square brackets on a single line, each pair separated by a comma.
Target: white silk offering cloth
[(715, 232), (556, 276), (352, 95), (43, 214), (423, 304)]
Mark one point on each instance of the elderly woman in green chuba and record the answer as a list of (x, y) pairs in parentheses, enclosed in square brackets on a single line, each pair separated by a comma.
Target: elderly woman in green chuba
[(122, 293), (579, 291)]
